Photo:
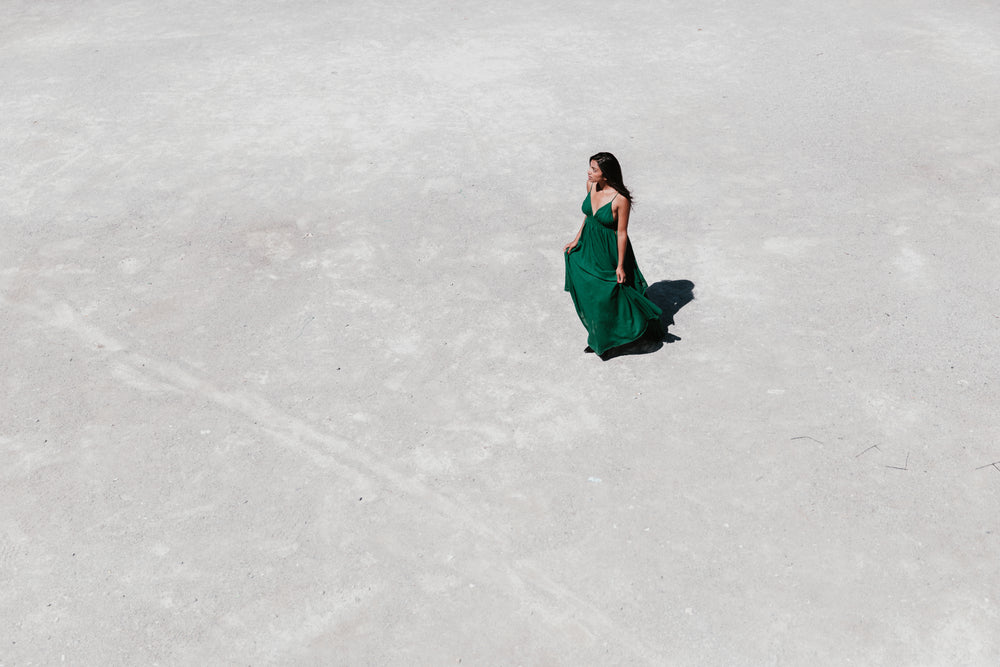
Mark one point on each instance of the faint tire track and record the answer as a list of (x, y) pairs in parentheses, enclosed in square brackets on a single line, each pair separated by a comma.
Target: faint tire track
[(556, 602)]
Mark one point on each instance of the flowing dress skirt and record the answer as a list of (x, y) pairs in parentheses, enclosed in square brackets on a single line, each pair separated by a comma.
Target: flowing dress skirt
[(614, 314)]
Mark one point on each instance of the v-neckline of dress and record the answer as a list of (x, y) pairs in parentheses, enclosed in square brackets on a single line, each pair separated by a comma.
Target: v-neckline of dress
[(590, 198)]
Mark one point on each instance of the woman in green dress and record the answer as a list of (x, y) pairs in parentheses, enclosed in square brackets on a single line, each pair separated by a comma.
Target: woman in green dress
[(608, 289)]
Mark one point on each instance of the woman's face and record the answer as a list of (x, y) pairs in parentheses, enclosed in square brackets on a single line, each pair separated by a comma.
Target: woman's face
[(594, 174)]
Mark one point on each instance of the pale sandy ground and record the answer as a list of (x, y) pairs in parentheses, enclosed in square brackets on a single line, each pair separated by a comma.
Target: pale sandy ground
[(289, 376)]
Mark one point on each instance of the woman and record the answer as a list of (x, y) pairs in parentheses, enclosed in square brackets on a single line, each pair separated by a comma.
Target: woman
[(607, 287)]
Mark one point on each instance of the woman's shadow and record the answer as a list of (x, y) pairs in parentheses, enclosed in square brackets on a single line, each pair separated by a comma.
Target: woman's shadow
[(670, 296)]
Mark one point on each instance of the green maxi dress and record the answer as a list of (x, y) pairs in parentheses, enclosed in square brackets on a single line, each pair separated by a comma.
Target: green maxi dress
[(614, 314)]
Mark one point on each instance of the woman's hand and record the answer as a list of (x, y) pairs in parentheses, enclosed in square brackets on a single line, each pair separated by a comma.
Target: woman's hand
[(620, 273), (569, 246)]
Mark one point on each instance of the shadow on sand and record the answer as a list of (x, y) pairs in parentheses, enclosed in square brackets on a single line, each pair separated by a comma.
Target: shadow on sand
[(670, 296)]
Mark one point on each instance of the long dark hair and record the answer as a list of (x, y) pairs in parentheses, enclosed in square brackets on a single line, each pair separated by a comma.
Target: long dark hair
[(608, 164)]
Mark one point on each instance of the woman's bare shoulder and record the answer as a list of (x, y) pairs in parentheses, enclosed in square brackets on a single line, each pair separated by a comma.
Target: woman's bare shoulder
[(621, 203)]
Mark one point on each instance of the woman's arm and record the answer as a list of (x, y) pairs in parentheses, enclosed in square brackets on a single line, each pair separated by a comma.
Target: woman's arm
[(621, 210), (576, 239)]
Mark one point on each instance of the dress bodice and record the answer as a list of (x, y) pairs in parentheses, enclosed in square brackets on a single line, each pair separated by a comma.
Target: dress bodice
[(604, 215)]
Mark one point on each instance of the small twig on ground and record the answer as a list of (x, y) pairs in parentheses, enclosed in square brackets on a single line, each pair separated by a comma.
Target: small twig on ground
[(808, 437), (995, 464), (304, 325), (906, 466), (875, 446)]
